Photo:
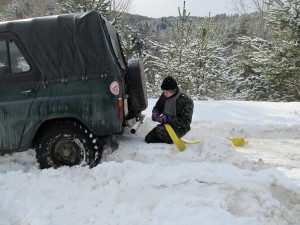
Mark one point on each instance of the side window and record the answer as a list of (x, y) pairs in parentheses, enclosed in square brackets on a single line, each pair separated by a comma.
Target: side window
[(11, 59), (17, 60), (4, 67)]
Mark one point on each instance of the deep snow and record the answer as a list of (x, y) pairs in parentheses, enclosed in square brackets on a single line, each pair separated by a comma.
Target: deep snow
[(212, 183)]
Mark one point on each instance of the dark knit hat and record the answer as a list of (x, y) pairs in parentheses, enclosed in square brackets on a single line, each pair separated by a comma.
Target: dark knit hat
[(169, 83)]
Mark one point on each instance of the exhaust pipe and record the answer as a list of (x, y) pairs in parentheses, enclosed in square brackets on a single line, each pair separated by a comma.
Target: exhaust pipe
[(136, 126)]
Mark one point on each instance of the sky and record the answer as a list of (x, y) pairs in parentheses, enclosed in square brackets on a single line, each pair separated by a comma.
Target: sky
[(212, 182), (162, 8)]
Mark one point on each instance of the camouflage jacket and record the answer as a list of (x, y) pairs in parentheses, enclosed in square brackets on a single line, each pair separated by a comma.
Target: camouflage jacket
[(184, 111)]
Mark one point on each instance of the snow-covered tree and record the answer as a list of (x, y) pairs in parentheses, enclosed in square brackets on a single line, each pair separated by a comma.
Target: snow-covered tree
[(278, 59), (20, 9), (196, 58), (111, 9), (131, 42), (72, 6)]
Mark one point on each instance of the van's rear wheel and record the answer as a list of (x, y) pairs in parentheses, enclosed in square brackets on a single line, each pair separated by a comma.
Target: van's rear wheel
[(66, 143)]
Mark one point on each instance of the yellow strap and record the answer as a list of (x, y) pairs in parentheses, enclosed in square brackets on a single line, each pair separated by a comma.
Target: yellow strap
[(181, 143), (177, 141)]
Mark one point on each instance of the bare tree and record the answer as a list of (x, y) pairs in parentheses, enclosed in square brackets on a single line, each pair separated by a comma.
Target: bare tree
[(262, 7), (121, 5), (240, 6), (117, 7), (247, 6)]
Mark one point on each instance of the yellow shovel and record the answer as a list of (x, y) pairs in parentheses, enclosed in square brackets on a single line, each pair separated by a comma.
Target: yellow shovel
[(181, 143)]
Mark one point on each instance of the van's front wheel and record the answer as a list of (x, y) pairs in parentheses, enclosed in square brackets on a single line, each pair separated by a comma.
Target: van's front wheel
[(66, 143)]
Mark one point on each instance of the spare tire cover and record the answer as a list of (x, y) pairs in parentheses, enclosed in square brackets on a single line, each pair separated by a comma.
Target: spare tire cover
[(137, 85)]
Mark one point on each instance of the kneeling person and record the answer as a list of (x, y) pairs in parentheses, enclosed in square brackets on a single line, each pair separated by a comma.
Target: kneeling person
[(173, 107)]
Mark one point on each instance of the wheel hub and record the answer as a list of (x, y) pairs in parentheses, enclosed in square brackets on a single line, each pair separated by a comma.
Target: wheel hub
[(66, 151)]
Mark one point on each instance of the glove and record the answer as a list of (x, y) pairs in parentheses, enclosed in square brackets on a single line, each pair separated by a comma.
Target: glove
[(155, 116), (162, 119)]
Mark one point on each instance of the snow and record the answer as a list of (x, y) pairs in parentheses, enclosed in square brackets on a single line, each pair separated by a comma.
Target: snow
[(212, 183)]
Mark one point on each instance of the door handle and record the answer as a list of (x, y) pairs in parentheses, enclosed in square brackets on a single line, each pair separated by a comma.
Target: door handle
[(27, 92)]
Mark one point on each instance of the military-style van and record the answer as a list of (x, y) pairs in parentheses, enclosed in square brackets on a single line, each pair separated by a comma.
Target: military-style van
[(65, 86)]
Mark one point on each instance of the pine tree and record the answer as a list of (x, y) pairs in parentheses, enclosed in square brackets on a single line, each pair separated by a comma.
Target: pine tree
[(72, 6), (278, 60), (20, 9), (212, 69), (196, 58)]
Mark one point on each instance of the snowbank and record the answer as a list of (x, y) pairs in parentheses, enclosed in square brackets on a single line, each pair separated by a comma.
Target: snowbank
[(209, 183)]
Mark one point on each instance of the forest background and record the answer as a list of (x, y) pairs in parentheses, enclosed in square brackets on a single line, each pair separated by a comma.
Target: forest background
[(244, 56)]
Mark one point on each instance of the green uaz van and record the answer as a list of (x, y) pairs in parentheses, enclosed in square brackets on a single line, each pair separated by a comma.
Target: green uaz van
[(65, 86)]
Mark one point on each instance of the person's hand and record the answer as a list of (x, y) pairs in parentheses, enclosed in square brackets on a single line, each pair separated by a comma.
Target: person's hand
[(162, 119), (155, 116)]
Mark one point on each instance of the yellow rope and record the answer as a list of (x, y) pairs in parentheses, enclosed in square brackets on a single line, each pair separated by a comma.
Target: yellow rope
[(181, 143)]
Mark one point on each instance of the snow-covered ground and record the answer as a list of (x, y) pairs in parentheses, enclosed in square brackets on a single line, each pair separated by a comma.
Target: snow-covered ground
[(212, 183)]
